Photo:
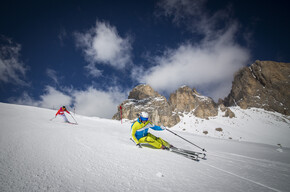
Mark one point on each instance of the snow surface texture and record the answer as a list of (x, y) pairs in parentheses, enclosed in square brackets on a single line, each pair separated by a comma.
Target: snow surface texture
[(252, 125), (37, 154)]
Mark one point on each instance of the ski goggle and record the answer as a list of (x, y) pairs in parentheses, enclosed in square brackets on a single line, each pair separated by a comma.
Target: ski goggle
[(143, 118)]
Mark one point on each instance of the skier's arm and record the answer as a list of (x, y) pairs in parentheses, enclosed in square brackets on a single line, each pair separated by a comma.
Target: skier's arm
[(67, 111), (57, 112), (156, 128)]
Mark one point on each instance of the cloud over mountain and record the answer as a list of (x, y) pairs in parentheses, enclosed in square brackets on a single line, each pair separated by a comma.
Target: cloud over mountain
[(103, 45), (12, 69), (208, 64)]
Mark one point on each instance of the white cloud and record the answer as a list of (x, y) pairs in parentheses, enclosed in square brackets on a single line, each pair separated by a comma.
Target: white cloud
[(103, 45), (93, 102), (54, 98), (52, 74), (51, 99), (93, 70), (12, 69), (194, 16), (24, 99), (209, 64), (196, 67), (89, 102), (179, 10)]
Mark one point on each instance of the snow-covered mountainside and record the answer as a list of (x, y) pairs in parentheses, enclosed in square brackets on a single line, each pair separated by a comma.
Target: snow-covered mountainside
[(252, 125), (37, 154)]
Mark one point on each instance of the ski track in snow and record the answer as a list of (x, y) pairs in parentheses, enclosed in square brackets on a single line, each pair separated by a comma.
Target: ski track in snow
[(241, 177), (273, 168), (41, 155), (245, 159)]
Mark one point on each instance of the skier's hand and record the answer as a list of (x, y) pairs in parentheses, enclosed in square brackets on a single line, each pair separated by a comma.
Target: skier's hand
[(139, 145), (162, 127)]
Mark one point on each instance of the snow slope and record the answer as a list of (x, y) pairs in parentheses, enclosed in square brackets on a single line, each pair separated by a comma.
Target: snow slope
[(252, 125), (41, 155)]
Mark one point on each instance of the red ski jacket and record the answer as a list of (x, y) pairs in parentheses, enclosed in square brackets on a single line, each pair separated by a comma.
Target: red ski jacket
[(61, 112)]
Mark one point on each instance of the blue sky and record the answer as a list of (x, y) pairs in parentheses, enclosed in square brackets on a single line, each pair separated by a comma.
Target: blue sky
[(89, 54)]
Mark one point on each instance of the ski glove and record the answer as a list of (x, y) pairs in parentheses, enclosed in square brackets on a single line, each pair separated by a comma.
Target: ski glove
[(139, 145), (162, 127)]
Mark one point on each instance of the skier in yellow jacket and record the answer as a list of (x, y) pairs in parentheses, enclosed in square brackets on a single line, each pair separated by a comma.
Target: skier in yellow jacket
[(139, 132)]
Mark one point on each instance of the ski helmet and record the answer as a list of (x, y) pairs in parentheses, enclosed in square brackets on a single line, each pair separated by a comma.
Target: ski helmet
[(144, 116)]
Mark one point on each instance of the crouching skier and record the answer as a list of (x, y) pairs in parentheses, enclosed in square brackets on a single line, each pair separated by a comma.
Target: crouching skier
[(139, 133), (61, 113)]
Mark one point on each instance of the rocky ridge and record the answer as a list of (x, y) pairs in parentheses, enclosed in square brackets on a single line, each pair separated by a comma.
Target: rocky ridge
[(187, 100), (144, 98), (264, 84), (163, 112)]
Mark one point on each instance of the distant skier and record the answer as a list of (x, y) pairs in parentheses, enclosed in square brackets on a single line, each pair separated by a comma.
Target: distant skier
[(61, 113), (139, 133)]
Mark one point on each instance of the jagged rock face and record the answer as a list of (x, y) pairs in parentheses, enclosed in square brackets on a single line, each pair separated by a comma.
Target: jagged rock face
[(265, 84), (228, 112), (144, 98), (206, 108), (186, 99), (143, 91), (183, 100), (223, 108)]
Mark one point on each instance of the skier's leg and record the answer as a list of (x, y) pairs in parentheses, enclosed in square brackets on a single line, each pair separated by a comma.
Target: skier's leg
[(163, 142), (151, 139), (154, 141), (64, 118)]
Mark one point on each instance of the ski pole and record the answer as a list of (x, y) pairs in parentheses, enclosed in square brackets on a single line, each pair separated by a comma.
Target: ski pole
[(73, 118), (186, 140), (52, 118)]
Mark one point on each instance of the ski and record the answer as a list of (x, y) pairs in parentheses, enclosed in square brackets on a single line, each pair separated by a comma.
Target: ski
[(187, 155), (71, 123), (193, 155), (198, 154)]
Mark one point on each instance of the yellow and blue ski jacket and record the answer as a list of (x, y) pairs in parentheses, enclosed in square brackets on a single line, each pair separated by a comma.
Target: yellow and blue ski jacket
[(139, 129)]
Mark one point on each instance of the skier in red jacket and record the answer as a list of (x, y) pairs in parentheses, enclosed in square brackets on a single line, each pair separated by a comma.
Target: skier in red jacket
[(61, 113)]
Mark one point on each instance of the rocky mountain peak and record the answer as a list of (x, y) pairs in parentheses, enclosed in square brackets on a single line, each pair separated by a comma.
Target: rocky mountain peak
[(144, 98), (183, 99), (186, 99), (161, 112), (143, 91), (264, 84)]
